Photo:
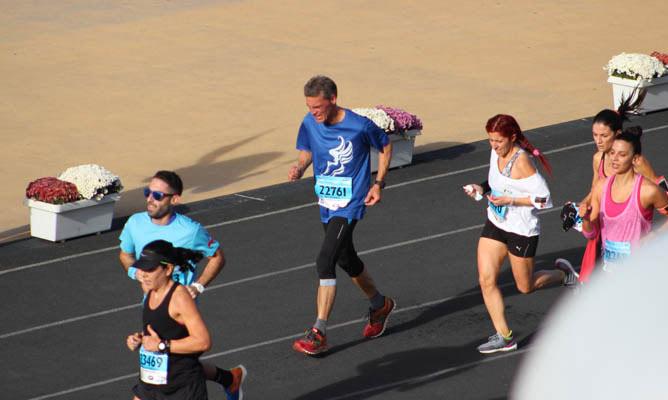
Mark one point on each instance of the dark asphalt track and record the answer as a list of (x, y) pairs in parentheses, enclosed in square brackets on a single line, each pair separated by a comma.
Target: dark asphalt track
[(65, 315)]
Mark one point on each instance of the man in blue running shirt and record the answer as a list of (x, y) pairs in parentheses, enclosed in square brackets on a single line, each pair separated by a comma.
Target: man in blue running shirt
[(160, 221), (337, 142)]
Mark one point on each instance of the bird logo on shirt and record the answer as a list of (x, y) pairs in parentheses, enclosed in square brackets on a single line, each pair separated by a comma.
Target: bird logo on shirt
[(342, 154)]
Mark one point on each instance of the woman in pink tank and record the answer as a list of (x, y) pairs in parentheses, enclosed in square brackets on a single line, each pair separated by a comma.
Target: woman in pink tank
[(622, 205), (606, 125)]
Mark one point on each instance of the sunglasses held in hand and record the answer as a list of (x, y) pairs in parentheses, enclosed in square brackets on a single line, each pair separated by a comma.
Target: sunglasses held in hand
[(157, 196)]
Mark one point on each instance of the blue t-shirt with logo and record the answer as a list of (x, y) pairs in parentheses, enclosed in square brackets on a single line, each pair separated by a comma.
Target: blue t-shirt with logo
[(340, 154), (181, 231)]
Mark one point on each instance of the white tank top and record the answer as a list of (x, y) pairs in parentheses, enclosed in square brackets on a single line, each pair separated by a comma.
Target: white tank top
[(522, 220)]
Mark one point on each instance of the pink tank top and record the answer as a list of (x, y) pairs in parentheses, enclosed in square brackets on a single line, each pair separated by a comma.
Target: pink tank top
[(601, 168), (622, 225)]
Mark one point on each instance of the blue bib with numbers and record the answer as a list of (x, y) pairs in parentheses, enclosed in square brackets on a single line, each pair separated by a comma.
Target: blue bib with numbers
[(615, 253), (333, 192), (499, 211), (153, 367)]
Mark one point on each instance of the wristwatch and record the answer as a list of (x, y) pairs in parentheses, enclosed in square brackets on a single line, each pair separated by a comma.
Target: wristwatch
[(199, 287), (163, 346), (381, 184)]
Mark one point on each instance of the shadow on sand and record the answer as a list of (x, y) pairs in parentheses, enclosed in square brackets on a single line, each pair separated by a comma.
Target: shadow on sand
[(207, 174)]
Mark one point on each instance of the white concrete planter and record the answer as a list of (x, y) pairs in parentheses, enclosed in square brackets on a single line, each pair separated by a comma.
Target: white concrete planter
[(655, 99), (56, 222), (402, 150)]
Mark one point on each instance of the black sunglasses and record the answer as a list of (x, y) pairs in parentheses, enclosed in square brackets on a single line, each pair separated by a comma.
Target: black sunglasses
[(157, 196)]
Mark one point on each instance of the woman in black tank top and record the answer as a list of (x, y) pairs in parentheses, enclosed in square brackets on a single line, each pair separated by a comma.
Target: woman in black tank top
[(174, 334)]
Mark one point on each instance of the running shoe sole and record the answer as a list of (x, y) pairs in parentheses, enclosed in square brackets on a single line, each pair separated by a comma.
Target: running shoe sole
[(568, 266), (502, 349), (394, 306), (324, 349)]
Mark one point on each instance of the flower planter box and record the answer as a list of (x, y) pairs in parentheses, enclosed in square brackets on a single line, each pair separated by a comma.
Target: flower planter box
[(56, 222), (655, 99), (402, 150)]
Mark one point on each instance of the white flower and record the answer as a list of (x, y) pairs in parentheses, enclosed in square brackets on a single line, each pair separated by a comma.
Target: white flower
[(378, 116), (92, 180), (637, 66)]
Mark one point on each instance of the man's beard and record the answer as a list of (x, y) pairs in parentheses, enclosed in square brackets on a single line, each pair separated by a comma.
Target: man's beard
[(159, 213)]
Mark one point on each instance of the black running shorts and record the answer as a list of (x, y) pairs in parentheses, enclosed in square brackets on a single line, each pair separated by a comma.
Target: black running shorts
[(195, 390), (518, 245)]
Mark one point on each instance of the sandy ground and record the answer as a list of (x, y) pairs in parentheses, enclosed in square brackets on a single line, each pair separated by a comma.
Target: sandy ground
[(213, 89)]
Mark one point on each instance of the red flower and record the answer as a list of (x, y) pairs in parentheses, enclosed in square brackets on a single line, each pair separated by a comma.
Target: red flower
[(52, 190), (663, 57)]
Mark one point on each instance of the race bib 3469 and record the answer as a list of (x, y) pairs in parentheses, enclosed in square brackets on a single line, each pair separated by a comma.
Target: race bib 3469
[(153, 367)]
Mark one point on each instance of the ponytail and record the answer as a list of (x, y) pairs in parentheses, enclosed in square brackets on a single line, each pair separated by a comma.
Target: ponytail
[(626, 106), (614, 119), (185, 258), (524, 143)]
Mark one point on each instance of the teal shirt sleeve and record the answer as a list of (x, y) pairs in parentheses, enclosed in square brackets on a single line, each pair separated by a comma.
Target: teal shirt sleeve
[(204, 243), (127, 244)]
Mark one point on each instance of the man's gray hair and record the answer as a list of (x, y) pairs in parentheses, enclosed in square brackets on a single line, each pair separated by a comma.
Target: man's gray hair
[(318, 85)]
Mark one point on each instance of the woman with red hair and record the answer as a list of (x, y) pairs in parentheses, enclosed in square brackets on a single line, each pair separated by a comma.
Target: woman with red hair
[(516, 192)]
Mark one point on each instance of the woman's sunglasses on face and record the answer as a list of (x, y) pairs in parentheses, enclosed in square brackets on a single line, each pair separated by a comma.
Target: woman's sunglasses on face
[(157, 196)]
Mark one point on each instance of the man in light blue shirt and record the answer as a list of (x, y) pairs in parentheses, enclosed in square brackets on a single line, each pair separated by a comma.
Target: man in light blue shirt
[(160, 221), (337, 142)]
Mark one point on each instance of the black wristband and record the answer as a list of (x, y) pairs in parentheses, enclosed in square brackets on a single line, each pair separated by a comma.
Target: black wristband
[(485, 187)]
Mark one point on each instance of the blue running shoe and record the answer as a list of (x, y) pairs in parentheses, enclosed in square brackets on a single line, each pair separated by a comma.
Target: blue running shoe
[(236, 391)]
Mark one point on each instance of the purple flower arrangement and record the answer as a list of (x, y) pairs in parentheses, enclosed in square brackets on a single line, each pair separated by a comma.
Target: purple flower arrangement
[(403, 120)]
